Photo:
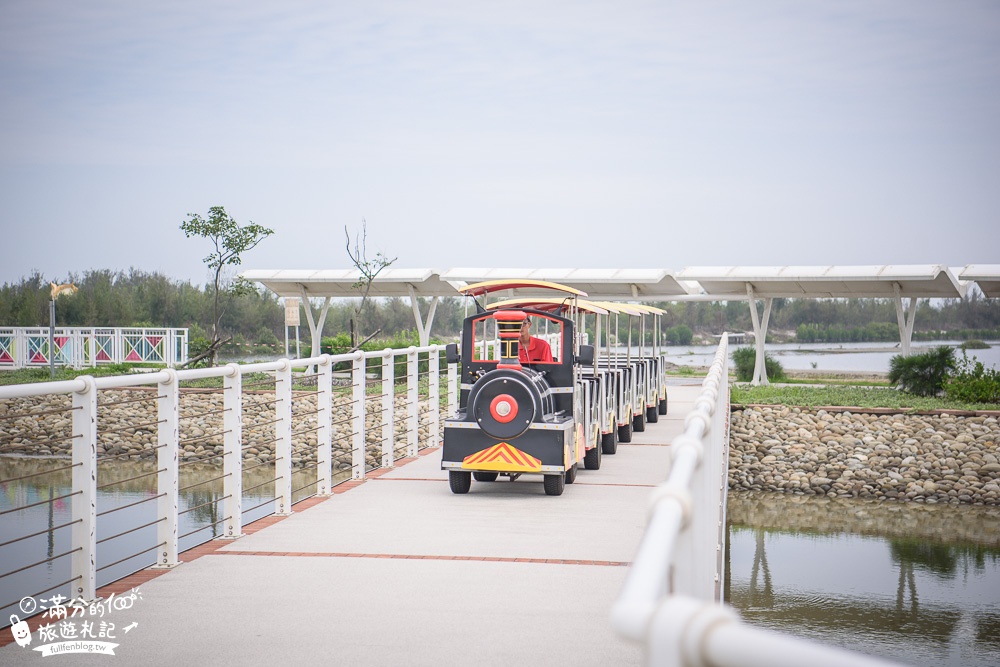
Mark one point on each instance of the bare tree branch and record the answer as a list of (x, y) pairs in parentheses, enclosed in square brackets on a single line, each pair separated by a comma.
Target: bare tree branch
[(368, 268)]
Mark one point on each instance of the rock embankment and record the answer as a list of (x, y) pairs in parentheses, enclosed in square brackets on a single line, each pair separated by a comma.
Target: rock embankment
[(127, 427), (930, 522), (938, 458)]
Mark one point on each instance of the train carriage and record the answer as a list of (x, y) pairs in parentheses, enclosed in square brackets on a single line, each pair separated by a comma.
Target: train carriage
[(656, 387)]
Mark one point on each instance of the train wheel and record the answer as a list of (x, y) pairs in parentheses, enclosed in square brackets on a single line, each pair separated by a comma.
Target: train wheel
[(485, 476), (639, 422), (663, 406), (571, 474), (625, 432), (459, 481), (652, 415), (592, 460), (554, 484), (609, 442)]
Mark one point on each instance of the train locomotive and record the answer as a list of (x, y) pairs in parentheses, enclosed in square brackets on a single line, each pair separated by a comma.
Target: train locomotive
[(520, 417)]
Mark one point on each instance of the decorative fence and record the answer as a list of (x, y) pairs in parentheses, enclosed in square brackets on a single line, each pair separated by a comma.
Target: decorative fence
[(84, 347), (137, 470)]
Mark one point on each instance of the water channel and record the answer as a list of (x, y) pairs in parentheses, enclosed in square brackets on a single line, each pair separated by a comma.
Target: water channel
[(831, 357), (910, 582)]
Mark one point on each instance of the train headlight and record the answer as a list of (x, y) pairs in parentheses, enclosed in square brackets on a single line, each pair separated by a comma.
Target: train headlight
[(503, 408)]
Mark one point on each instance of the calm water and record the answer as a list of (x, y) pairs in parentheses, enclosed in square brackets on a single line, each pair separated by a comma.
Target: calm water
[(917, 584), (840, 357)]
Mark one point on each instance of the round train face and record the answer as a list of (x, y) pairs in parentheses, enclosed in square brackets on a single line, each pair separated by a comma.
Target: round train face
[(505, 402), (504, 405)]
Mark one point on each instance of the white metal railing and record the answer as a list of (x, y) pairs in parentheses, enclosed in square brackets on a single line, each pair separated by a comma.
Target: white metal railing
[(83, 347), (287, 424), (671, 600)]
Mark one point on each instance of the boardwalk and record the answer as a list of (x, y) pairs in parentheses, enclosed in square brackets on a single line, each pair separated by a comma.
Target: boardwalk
[(396, 570)]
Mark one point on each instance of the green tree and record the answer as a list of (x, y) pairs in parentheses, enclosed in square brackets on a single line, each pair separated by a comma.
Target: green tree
[(229, 240)]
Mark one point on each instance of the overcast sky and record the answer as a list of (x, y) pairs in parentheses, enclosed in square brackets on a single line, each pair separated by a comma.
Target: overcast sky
[(554, 134)]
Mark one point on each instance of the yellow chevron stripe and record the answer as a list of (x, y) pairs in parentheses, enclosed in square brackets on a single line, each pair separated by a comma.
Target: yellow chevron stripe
[(502, 457)]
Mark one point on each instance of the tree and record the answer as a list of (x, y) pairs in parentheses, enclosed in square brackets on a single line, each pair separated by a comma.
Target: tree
[(230, 240), (369, 269)]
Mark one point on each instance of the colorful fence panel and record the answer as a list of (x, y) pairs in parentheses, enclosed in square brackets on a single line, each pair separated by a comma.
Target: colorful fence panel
[(83, 347)]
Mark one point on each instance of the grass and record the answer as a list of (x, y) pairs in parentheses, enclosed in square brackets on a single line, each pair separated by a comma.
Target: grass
[(264, 381), (33, 375), (840, 395)]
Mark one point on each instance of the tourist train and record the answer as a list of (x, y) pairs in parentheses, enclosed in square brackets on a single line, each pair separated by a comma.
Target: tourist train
[(536, 398)]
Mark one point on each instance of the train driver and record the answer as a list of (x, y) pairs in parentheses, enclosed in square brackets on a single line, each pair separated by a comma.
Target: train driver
[(532, 349)]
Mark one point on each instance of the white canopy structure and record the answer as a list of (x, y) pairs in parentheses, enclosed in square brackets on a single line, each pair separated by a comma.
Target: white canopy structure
[(819, 282), (341, 283), (608, 284), (697, 282), (613, 284), (986, 276)]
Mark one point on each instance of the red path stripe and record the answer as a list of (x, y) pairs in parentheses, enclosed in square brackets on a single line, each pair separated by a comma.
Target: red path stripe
[(498, 559)]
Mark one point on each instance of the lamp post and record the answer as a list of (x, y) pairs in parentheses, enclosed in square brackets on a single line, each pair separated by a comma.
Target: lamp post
[(56, 291)]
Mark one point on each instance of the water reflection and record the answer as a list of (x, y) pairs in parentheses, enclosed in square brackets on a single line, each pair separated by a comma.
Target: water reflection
[(846, 572)]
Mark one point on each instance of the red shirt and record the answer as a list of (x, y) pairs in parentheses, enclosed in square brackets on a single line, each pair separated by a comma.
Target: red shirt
[(537, 350)]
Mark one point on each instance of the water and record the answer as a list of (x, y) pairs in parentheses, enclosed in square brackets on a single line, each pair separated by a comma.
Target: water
[(838, 357), (918, 584)]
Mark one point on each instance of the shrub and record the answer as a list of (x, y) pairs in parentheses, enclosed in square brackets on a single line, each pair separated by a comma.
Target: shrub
[(974, 344), (198, 345), (973, 382), (679, 335), (265, 336), (745, 359), (922, 374)]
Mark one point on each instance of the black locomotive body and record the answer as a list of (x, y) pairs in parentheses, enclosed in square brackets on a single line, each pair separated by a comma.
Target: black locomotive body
[(516, 417)]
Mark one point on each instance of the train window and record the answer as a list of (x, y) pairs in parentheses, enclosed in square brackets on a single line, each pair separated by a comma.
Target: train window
[(485, 344), (549, 331)]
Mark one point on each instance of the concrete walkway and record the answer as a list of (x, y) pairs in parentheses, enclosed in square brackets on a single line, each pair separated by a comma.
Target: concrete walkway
[(399, 571)]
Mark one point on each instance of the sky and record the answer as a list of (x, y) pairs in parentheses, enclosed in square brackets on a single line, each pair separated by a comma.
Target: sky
[(522, 134)]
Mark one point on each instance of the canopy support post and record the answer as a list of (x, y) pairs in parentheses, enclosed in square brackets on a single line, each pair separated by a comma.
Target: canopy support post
[(423, 327), (760, 334), (905, 320), (315, 330)]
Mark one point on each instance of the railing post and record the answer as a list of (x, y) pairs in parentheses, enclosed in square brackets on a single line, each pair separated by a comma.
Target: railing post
[(412, 407), (452, 389), (167, 434), (324, 419), (434, 397), (721, 429), (232, 451), (358, 462), (283, 438), (84, 503), (388, 408)]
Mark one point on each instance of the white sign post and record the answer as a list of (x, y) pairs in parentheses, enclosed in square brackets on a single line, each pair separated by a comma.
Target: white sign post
[(292, 320)]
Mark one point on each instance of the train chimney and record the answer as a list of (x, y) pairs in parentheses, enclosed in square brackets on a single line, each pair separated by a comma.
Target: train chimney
[(509, 329)]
